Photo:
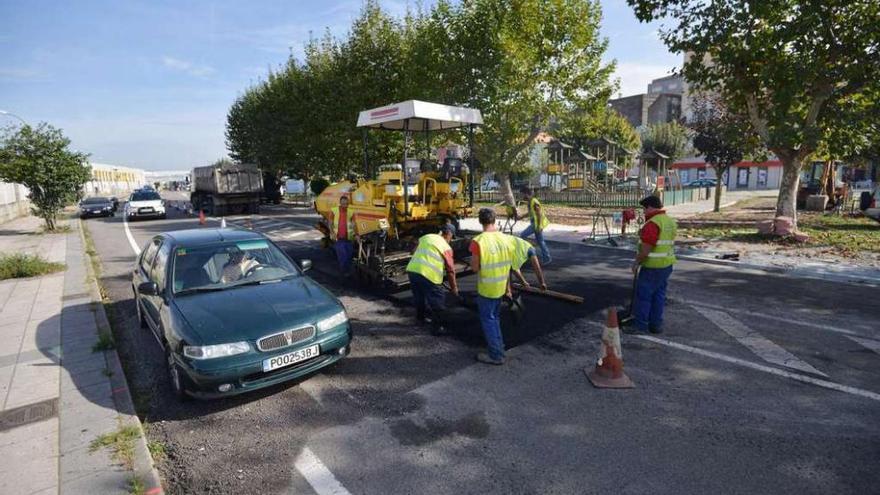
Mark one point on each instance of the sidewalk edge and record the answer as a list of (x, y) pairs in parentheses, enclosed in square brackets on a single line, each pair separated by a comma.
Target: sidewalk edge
[(143, 468)]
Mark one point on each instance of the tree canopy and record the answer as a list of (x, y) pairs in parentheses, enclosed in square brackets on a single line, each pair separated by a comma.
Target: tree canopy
[(791, 66), (40, 159), (523, 63), (668, 138)]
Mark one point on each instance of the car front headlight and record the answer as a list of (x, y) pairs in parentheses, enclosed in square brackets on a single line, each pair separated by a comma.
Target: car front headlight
[(333, 321), (215, 351)]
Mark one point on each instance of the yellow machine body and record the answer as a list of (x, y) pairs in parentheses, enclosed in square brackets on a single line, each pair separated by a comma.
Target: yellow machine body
[(378, 204)]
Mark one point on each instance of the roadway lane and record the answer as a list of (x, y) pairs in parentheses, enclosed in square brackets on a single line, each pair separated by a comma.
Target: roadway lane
[(407, 413)]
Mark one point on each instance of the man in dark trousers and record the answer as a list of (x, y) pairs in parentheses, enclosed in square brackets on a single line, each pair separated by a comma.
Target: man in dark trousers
[(431, 259), (653, 265), (343, 233)]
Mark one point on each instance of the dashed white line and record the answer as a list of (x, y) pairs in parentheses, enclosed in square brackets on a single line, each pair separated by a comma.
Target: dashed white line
[(762, 346), (766, 369), (131, 241), (818, 326), (317, 474)]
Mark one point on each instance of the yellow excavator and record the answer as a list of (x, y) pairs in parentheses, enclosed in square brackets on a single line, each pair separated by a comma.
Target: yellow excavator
[(409, 199)]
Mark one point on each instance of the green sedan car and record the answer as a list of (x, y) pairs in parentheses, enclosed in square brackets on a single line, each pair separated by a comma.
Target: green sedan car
[(234, 313)]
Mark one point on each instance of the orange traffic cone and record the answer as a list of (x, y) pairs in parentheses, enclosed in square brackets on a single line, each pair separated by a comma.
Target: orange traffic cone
[(608, 372), (202, 217)]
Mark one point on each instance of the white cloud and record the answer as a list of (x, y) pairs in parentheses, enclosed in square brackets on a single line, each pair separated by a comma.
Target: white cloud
[(188, 67), (634, 77)]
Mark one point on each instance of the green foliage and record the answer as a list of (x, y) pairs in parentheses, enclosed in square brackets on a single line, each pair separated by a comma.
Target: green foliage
[(104, 342), (792, 66), (39, 158), (578, 128), (668, 138), (318, 184), (121, 443), (523, 63), (18, 265)]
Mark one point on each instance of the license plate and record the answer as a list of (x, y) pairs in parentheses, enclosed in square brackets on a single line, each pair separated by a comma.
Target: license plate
[(146, 210), (273, 363)]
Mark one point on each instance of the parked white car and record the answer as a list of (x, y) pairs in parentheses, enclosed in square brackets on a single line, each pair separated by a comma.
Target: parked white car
[(143, 203)]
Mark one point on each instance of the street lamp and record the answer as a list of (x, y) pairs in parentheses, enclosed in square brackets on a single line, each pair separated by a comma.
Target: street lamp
[(4, 112)]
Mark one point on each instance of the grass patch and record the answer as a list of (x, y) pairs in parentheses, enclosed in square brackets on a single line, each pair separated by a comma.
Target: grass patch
[(59, 229), (121, 444), (157, 450), (104, 343), (19, 265), (845, 235), (136, 486)]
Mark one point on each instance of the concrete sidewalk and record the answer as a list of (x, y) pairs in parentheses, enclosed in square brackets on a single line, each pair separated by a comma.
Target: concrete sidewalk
[(58, 395)]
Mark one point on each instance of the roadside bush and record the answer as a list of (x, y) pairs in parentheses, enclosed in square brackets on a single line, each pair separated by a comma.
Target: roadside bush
[(318, 185), (25, 265)]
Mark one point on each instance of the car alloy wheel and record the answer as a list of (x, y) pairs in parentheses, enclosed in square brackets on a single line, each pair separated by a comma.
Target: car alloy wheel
[(177, 387)]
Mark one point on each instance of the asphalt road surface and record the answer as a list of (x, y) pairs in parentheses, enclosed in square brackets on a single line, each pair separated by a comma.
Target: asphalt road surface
[(760, 384)]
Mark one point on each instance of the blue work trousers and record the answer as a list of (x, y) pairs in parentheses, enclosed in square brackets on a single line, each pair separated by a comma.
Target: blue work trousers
[(539, 237), (428, 296), (490, 320), (651, 298), (344, 251)]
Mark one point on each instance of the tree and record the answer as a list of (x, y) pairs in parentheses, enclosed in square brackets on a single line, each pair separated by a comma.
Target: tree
[(668, 138), (787, 65), (39, 158), (723, 137)]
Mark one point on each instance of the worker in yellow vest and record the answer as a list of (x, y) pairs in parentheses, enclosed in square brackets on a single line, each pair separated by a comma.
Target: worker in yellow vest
[(653, 265), (537, 223), (432, 257), (342, 235), (522, 252), (492, 258)]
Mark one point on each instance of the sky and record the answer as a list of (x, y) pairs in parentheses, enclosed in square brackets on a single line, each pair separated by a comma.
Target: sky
[(148, 83)]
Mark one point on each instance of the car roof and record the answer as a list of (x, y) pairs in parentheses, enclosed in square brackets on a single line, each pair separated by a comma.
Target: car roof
[(195, 237), (102, 198)]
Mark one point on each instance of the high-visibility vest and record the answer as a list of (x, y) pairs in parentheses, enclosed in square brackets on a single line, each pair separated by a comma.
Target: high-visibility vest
[(428, 260), (663, 254), (539, 221), (349, 224), (520, 251), (496, 258)]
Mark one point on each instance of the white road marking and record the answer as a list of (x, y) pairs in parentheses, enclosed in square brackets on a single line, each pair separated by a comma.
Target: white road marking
[(818, 326), (874, 345), (763, 347), (317, 474), (766, 369), (131, 241), (311, 387)]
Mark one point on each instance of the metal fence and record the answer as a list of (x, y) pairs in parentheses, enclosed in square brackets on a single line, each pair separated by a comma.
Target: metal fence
[(624, 198)]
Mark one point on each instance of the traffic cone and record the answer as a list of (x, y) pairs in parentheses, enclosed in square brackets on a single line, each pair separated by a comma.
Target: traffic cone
[(608, 372), (223, 223), (202, 217)]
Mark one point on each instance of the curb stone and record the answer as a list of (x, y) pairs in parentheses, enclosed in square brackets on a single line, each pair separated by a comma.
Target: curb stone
[(143, 467)]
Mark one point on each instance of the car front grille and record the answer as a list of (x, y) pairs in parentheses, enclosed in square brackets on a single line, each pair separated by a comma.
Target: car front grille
[(286, 338)]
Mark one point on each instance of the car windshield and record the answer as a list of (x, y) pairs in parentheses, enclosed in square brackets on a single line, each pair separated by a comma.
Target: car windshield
[(229, 265), (95, 201), (145, 196)]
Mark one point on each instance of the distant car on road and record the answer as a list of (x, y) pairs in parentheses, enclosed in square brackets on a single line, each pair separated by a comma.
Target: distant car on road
[(234, 313), (702, 183), (96, 207), (143, 204)]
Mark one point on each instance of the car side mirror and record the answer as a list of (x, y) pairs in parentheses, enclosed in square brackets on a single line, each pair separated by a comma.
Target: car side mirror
[(305, 265), (148, 289)]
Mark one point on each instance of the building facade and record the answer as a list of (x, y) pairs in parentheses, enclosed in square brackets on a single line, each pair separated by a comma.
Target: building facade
[(745, 175), (113, 180), (662, 103)]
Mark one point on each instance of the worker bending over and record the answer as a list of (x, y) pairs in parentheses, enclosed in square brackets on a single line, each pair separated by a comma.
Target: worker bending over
[(431, 258), (342, 235), (522, 252), (537, 222), (492, 258), (653, 265)]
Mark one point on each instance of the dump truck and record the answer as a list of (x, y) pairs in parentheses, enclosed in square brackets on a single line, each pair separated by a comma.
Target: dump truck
[(395, 204), (227, 188)]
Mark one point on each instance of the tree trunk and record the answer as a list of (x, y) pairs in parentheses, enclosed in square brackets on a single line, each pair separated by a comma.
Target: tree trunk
[(506, 189), (718, 189), (828, 179), (786, 204)]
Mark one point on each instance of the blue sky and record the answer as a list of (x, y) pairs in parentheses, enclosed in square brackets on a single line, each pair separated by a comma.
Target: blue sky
[(147, 83)]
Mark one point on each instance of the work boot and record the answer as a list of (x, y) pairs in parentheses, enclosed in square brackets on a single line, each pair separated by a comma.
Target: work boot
[(485, 358)]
